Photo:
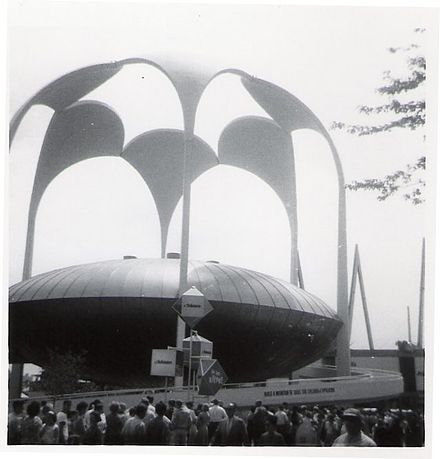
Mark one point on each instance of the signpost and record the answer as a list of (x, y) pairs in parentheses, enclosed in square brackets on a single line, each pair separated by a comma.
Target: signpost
[(192, 306), (211, 377)]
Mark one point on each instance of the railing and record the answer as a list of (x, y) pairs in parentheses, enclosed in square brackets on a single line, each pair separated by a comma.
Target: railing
[(361, 375)]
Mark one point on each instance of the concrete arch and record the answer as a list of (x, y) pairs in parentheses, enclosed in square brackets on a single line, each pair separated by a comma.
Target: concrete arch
[(96, 214)]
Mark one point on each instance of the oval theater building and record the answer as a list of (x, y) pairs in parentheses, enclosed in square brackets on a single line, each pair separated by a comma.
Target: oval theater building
[(116, 311)]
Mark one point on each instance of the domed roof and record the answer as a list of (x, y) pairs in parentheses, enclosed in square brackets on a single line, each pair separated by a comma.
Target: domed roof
[(159, 278)]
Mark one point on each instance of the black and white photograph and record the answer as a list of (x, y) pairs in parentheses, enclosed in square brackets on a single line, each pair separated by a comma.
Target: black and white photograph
[(219, 228)]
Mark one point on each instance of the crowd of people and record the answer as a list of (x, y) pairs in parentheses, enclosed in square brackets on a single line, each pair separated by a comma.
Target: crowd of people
[(214, 424)]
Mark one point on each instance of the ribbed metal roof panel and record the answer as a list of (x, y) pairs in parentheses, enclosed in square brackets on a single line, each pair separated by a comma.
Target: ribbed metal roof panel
[(159, 278)]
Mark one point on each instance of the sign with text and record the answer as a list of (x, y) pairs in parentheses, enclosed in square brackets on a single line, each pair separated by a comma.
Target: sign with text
[(212, 377), (163, 362), (192, 307)]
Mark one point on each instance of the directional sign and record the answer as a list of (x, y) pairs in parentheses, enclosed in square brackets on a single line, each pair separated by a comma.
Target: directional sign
[(192, 306), (211, 377)]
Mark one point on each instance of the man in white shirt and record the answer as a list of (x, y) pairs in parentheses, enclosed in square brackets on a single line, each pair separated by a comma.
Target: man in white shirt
[(282, 422), (354, 436), (217, 414)]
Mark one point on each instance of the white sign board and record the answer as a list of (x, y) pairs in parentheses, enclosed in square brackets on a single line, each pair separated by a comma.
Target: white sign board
[(163, 362), (193, 306)]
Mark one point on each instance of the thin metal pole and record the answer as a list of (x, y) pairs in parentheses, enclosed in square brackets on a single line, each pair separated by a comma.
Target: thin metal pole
[(365, 306), (421, 299), (193, 385), (409, 325), (353, 290), (189, 364), (183, 274)]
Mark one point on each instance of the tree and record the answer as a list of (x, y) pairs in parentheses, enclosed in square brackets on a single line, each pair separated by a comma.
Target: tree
[(62, 374), (406, 113)]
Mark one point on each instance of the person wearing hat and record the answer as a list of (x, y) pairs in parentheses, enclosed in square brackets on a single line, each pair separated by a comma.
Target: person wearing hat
[(232, 431), (354, 436)]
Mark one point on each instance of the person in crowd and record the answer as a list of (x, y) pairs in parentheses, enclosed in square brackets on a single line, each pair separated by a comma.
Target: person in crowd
[(15, 419), (170, 410), (198, 409), (62, 422), (295, 421), (180, 424), (77, 426), (379, 432), (232, 431), (193, 428), (217, 414), (93, 434), (49, 433), (354, 436), (113, 432), (150, 413), (306, 433), (123, 412), (72, 417), (202, 437), (259, 420), (92, 407), (44, 410), (151, 407), (250, 425), (133, 431), (102, 423), (283, 422), (315, 415), (329, 431), (31, 425), (158, 430), (271, 437)]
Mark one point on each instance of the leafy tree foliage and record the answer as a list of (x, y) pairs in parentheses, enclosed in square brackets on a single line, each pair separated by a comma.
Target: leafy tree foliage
[(63, 373), (404, 114)]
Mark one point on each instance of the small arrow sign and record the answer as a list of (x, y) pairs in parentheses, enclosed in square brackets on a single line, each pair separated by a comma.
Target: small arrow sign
[(192, 306), (212, 377)]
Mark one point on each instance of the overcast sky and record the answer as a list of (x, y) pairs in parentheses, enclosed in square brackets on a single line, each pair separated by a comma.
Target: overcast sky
[(330, 58)]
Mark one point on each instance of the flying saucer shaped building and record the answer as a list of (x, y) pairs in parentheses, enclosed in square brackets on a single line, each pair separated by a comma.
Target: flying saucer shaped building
[(117, 311)]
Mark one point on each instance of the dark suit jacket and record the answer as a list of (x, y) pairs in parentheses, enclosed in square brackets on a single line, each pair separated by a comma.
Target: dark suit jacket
[(237, 435)]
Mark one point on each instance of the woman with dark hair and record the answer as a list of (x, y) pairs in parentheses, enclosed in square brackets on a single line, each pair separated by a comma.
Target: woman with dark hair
[(31, 425), (158, 430)]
